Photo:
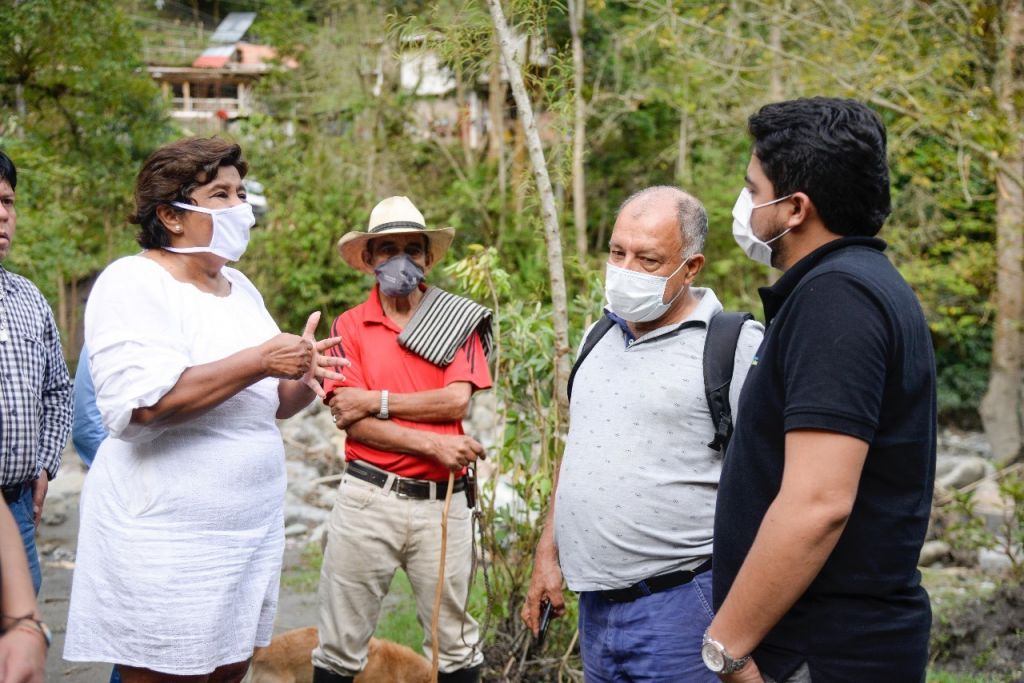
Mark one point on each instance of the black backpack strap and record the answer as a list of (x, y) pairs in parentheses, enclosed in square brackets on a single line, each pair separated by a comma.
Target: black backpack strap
[(719, 358), (598, 331)]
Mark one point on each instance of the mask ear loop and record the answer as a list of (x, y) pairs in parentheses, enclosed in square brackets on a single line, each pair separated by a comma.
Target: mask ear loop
[(681, 289), (774, 201)]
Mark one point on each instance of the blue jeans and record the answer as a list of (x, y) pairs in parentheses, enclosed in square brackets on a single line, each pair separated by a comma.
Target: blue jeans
[(654, 639), (25, 518)]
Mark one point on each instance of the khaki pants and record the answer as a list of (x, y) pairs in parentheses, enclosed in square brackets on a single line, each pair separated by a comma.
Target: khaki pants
[(371, 534)]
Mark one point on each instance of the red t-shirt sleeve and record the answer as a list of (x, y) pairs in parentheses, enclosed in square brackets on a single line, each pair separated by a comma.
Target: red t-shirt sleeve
[(470, 365), (348, 348)]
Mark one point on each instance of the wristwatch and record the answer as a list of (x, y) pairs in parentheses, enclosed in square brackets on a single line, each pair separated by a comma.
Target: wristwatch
[(717, 659), (383, 414), (37, 626)]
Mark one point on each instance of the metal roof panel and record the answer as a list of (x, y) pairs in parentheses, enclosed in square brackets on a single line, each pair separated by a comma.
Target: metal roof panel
[(233, 27)]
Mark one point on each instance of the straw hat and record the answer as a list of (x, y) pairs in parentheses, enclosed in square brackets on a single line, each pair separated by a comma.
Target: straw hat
[(393, 216)]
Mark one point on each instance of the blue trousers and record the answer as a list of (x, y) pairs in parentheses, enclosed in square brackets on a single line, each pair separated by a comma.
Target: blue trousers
[(24, 517), (654, 639)]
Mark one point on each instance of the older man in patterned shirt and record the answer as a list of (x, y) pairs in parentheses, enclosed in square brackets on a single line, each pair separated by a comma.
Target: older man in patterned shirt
[(35, 389)]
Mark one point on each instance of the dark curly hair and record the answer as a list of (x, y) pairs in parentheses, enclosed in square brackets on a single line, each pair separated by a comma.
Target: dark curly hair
[(834, 150), (171, 174)]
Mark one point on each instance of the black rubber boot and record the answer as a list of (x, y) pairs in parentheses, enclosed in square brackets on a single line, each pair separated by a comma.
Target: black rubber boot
[(470, 675), (328, 676)]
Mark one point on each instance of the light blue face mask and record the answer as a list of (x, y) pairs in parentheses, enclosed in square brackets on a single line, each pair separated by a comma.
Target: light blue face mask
[(231, 228)]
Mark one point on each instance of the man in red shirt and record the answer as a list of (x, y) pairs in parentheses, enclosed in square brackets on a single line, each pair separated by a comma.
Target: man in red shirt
[(417, 355)]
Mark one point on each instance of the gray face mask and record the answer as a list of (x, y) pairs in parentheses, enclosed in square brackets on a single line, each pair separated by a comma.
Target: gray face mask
[(398, 276)]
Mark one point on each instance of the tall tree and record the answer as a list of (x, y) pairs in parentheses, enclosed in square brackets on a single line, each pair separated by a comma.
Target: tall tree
[(577, 9), (85, 113), (552, 232), (1002, 408)]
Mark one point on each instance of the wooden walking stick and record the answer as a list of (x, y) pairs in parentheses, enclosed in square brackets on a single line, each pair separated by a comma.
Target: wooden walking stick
[(435, 656)]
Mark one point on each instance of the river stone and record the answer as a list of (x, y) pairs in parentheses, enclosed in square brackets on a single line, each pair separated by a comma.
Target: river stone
[(932, 552), (969, 470)]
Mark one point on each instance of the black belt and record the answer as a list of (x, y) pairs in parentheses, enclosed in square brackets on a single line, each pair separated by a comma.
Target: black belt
[(408, 488), (655, 584), (13, 493)]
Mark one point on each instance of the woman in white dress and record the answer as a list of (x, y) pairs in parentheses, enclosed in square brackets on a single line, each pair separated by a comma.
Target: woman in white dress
[(181, 533)]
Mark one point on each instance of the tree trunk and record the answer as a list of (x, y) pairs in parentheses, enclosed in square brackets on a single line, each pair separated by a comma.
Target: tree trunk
[(579, 189), (464, 120), (496, 151), (775, 40), (74, 340), (63, 328), (683, 151), (1002, 409), (552, 236), (518, 164)]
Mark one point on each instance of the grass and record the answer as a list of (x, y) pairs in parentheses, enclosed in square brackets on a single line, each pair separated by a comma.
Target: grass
[(399, 623), (304, 577), (943, 677)]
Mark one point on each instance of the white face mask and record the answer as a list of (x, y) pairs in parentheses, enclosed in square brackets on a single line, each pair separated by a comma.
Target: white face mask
[(230, 230), (744, 234), (637, 297)]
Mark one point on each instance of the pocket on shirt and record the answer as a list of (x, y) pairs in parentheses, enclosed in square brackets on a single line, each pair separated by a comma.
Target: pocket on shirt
[(24, 375)]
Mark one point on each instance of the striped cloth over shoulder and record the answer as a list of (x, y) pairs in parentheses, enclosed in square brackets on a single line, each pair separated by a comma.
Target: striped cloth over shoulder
[(442, 324)]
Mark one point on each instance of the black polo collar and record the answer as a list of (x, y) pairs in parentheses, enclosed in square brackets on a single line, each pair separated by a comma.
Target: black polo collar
[(773, 297)]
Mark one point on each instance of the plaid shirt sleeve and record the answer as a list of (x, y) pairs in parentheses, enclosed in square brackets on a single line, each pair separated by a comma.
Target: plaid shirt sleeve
[(55, 427)]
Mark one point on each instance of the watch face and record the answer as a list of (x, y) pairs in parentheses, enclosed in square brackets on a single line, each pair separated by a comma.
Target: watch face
[(712, 657)]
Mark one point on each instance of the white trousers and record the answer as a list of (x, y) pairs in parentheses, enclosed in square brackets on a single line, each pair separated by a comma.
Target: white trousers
[(370, 535)]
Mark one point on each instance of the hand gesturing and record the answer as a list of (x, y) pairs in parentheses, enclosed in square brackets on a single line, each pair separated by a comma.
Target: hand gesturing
[(320, 363)]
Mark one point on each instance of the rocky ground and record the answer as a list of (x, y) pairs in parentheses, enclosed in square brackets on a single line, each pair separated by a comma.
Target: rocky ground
[(312, 443)]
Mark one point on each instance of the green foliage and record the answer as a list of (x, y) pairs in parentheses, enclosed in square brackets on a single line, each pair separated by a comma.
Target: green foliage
[(527, 452), (79, 114), (313, 198)]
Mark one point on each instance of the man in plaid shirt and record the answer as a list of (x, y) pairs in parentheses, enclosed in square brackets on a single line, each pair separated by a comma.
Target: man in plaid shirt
[(35, 389)]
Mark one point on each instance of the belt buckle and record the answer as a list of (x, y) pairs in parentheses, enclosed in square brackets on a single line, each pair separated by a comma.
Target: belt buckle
[(396, 488)]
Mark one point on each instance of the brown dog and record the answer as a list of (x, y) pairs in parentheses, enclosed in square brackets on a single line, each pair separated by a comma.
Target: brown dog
[(287, 660)]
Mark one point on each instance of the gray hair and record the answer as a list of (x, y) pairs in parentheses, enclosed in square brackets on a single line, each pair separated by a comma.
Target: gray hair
[(693, 218)]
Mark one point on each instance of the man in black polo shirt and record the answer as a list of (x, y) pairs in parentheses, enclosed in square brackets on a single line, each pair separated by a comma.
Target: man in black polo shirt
[(827, 485)]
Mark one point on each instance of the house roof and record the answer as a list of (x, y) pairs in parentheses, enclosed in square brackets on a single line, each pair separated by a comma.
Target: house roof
[(214, 57), (233, 27)]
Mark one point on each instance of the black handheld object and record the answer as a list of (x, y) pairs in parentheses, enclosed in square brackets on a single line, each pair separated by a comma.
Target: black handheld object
[(545, 619), (471, 487)]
